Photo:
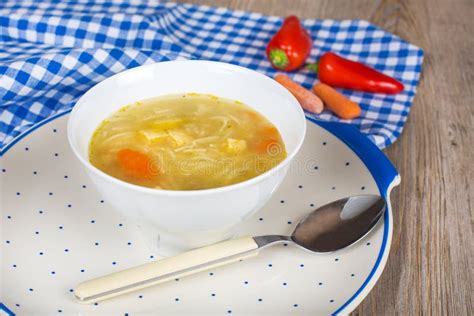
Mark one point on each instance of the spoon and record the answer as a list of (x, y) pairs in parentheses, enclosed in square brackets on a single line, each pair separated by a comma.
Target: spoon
[(328, 228)]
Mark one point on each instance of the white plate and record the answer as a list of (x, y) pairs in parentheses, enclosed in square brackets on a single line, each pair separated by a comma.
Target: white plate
[(57, 231)]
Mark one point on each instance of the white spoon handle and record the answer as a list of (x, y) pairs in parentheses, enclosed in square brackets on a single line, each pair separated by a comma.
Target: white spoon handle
[(166, 269)]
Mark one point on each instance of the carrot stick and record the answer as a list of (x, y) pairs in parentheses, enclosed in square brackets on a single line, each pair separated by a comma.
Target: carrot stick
[(336, 102), (135, 164), (308, 100)]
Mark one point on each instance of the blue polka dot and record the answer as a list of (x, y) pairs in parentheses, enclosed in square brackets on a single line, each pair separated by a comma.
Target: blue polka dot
[(82, 270), (295, 305), (332, 301), (114, 263), (229, 312), (151, 257), (14, 265), (30, 289), (260, 219), (41, 253), (52, 272), (285, 284), (60, 311), (4, 170), (176, 299), (92, 221), (56, 154), (289, 222), (246, 282), (8, 241), (311, 205), (71, 290), (41, 212), (368, 244), (101, 201), (320, 283), (84, 186), (362, 188), (9, 217), (140, 296), (96, 303), (270, 265), (55, 130), (17, 305), (120, 225), (69, 205), (129, 243), (337, 259), (211, 273), (213, 294), (65, 177), (26, 148), (96, 244), (352, 275), (302, 265), (260, 299), (66, 250), (50, 193), (18, 193)]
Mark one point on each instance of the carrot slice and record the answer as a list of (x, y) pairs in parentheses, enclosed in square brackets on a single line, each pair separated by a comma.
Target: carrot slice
[(336, 102), (268, 146), (136, 164), (308, 100)]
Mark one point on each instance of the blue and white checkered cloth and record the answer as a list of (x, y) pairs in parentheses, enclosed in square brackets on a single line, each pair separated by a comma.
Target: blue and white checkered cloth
[(51, 53)]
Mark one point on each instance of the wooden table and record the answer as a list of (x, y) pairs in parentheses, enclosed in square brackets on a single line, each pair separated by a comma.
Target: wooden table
[(430, 268)]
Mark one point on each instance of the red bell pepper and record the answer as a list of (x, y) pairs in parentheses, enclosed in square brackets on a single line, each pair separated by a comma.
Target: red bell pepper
[(337, 71), (290, 46)]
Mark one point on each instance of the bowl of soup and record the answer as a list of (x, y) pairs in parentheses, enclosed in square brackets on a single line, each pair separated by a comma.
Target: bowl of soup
[(187, 150)]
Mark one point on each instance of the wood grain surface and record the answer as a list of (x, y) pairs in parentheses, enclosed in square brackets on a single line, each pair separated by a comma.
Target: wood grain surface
[(430, 268)]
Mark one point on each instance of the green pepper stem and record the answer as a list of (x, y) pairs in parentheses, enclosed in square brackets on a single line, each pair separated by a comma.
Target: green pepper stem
[(313, 67), (278, 58)]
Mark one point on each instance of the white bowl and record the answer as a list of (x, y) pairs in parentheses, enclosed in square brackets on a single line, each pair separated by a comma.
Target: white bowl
[(179, 220)]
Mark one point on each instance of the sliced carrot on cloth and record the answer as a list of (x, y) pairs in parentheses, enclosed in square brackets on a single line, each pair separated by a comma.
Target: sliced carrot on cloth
[(136, 164), (308, 100), (336, 102)]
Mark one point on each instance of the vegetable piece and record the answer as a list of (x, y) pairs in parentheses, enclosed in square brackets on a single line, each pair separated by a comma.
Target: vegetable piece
[(269, 141), (290, 46), (337, 71), (336, 102), (136, 164), (268, 146), (236, 145), (179, 138), (308, 100)]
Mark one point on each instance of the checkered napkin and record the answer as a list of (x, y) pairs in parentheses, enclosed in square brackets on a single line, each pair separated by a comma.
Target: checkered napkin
[(51, 53)]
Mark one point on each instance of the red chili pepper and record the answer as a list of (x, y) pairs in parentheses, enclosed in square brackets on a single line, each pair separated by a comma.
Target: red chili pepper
[(290, 46), (337, 71)]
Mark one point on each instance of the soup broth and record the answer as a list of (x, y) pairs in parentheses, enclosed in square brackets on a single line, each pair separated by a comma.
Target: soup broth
[(186, 142)]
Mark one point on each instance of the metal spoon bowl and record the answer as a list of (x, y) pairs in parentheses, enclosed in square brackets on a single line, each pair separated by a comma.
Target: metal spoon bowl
[(330, 227)]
